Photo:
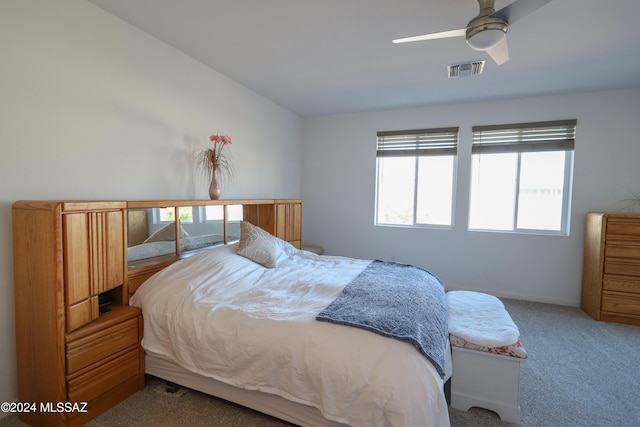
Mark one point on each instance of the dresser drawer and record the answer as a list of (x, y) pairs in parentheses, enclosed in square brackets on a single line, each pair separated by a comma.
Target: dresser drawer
[(621, 266), (87, 350), (623, 226), (618, 248), (621, 284), (103, 378), (620, 303)]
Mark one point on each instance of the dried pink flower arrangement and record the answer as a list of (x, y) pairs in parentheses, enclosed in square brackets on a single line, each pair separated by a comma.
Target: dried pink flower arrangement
[(214, 160)]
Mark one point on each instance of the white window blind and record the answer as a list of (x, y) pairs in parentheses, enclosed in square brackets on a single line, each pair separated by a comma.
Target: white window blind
[(521, 177), (419, 142), (524, 137), (416, 177)]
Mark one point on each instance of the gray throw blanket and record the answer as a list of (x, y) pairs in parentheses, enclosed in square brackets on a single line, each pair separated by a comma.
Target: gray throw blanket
[(397, 301)]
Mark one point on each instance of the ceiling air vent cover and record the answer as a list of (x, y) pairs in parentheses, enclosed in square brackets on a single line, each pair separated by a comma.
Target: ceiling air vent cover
[(465, 69)]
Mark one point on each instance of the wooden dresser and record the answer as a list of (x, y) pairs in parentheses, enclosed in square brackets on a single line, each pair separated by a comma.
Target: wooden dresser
[(73, 362), (611, 270)]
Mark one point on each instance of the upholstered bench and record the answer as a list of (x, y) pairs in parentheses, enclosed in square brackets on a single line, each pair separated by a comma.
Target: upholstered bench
[(318, 250), (486, 355)]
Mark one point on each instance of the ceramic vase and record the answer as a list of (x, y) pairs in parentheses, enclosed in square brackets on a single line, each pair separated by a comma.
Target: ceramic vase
[(214, 187)]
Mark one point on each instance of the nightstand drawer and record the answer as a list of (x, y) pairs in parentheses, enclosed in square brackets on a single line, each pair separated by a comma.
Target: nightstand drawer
[(88, 350), (97, 381)]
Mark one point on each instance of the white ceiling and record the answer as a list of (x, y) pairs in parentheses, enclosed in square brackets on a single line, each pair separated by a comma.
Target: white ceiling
[(318, 57)]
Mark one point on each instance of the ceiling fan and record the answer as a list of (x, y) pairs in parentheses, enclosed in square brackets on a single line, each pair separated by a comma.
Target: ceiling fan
[(487, 31)]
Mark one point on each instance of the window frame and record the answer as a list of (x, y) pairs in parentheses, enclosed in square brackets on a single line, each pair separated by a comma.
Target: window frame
[(522, 138), (415, 144), (157, 215)]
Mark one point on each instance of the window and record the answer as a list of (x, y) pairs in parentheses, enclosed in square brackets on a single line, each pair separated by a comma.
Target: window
[(415, 177), (169, 215), (216, 213), (212, 213), (521, 177)]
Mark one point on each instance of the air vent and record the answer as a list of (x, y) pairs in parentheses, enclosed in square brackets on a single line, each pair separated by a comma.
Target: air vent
[(466, 69)]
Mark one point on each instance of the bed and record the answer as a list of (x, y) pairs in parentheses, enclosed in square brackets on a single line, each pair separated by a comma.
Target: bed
[(241, 322)]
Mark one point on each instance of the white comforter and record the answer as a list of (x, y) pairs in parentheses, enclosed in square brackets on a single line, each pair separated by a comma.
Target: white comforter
[(223, 316)]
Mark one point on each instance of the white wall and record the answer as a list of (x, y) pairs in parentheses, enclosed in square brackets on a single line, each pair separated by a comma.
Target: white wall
[(339, 192), (92, 108)]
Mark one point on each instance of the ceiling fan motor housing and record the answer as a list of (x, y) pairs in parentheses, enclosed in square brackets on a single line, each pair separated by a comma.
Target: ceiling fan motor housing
[(485, 30)]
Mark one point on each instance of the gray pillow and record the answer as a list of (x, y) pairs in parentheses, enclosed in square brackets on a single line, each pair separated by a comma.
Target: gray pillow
[(260, 246)]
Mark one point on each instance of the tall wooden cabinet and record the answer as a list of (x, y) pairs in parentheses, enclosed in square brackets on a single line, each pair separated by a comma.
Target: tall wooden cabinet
[(93, 257), (611, 269), (67, 257)]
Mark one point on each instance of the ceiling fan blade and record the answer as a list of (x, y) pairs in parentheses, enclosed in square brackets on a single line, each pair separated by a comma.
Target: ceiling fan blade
[(500, 52), (432, 36), (519, 9)]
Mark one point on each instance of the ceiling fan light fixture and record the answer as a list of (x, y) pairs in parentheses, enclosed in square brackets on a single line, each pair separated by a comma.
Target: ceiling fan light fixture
[(486, 39), (485, 32)]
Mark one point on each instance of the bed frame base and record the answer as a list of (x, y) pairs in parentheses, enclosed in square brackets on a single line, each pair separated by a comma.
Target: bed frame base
[(270, 404)]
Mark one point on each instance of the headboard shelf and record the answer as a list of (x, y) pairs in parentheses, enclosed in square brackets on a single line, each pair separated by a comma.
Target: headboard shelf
[(141, 204), (144, 263)]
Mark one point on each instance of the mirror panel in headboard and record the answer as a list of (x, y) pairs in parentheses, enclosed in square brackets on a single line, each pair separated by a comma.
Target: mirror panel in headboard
[(234, 215), (137, 229), (201, 227), (161, 232)]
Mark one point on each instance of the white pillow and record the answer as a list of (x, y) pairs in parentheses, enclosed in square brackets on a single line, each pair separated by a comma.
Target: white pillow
[(260, 246)]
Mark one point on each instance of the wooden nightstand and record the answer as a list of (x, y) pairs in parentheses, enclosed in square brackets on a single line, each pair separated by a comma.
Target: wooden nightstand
[(105, 361)]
